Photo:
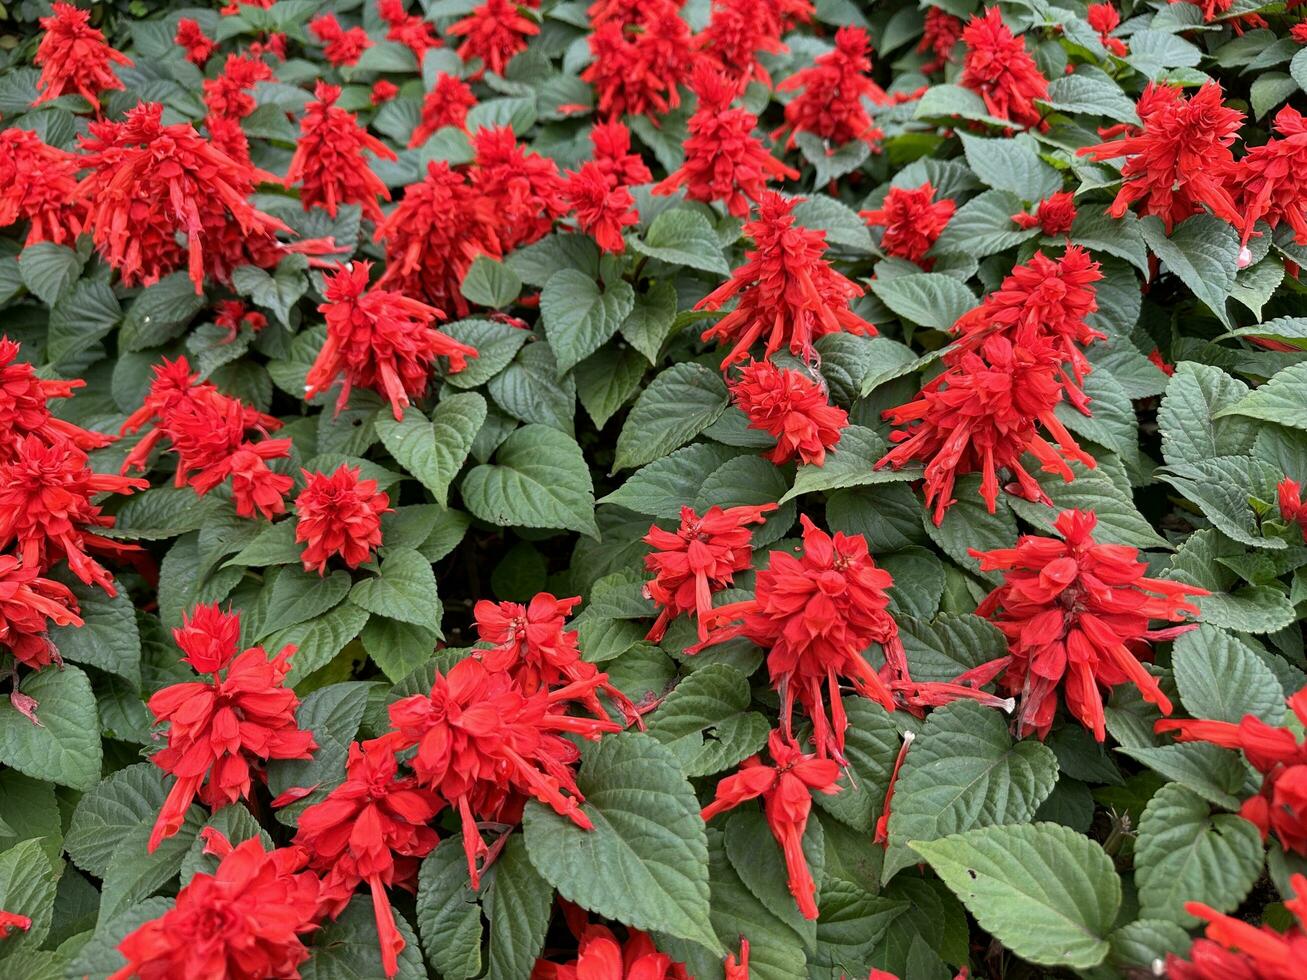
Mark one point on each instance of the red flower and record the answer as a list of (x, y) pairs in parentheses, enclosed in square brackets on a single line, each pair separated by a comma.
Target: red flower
[(882, 822), (483, 745), (699, 558), (27, 601), (1105, 18), (228, 137), (220, 730), (1292, 508), (379, 339), (612, 154), (245, 920), (980, 415), (830, 105), (792, 408), (531, 644), (1299, 32), (641, 56), (1270, 182), (199, 46), (724, 160), (816, 615), (737, 31), (435, 233), (150, 183), (523, 188), (998, 67), (343, 47), (338, 515), (493, 33), (383, 91), (1275, 752), (939, 36), (227, 96), (786, 788), (787, 290), (912, 220), (409, 30), (74, 57), (209, 637), (1237, 949), (1180, 160), (602, 208), (445, 105), (1156, 359), (738, 969), (12, 920), (1054, 216), (1070, 608), (46, 509), (329, 158), (371, 828), (601, 957), (38, 184), (232, 315), (24, 411)]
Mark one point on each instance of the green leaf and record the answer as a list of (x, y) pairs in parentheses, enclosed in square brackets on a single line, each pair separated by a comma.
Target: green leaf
[(134, 874), (109, 639), (954, 101), (278, 292), (853, 921), (1141, 943), (1221, 678), (397, 648), (759, 862), (1224, 487), (646, 860), (80, 318), (1298, 69), (1047, 893), (518, 907), (490, 283), (539, 479), (333, 714), (579, 317), (496, 344), (435, 451), (681, 236), (404, 589), (964, 771), (1269, 89), (108, 815), (160, 312), (275, 545), (1090, 91), (1214, 773), (1014, 164), (1280, 400), (871, 745), (65, 747), (984, 226), (297, 596), (843, 228), (678, 404), (27, 887), (347, 948), (607, 379), (448, 914), (1203, 251), (703, 721), (1185, 853), (1190, 415), (1119, 521), (967, 524), (850, 463), (532, 389), (48, 270), (927, 298), (671, 482), (318, 640), (650, 321), (163, 512), (1100, 232)]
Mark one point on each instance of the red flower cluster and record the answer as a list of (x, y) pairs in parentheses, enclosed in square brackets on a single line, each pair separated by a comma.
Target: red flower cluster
[(27, 602), (341, 46), (601, 957), (209, 433), (378, 339), (1237, 949), (74, 57), (1071, 609), (939, 36), (244, 920), (232, 315), (340, 515), (199, 46), (24, 408), (220, 730), (1054, 216), (445, 105), (737, 32), (603, 207), (641, 56), (407, 29), (1180, 160), (999, 68), (611, 142), (724, 160), (786, 788), (493, 33), (833, 87), (1270, 183), (1292, 508), (524, 189), (791, 407), (1275, 752), (912, 220), (1105, 18), (38, 184), (815, 615), (697, 559), (383, 90), (329, 159), (227, 96), (12, 920), (787, 290)]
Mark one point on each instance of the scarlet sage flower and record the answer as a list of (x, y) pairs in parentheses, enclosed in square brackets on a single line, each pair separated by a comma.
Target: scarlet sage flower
[(231, 315), (533, 646), (432, 237), (697, 559), (1299, 32), (1270, 182), (329, 160), (1054, 216), (1274, 751), (788, 293), (792, 408), (816, 614), (383, 91), (939, 36), (485, 746), (371, 828), (524, 188), (199, 46), (74, 57), (24, 407), (724, 160), (1292, 508), (612, 154), (738, 969), (378, 339), (341, 46), (602, 208), (641, 57), (150, 183), (338, 515), (737, 32), (493, 33), (601, 957), (998, 67), (1105, 18), (28, 603), (407, 29), (980, 416), (38, 184), (12, 920), (833, 88), (221, 730), (245, 920), (786, 788), (445, 105), (208, 637), (1180, 161), (912, 220), (46, 509), (228, 95), (1234, 948), (1070, 609)]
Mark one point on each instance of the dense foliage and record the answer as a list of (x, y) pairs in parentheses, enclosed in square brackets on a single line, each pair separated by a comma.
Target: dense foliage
[(756, 488)]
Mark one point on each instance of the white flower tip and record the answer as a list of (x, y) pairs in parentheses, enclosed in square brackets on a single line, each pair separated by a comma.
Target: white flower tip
[(908, 737), (1245, 257), (1009, 704), (1159, 967)]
